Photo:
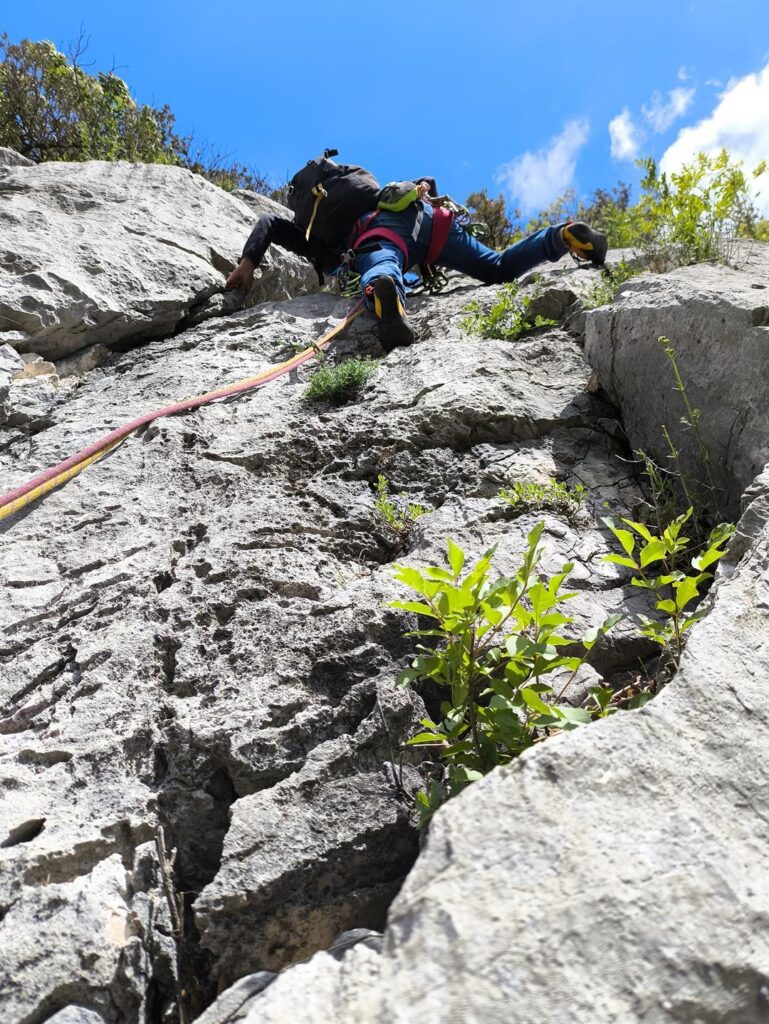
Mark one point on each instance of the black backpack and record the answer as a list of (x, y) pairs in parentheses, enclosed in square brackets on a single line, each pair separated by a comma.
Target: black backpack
[(328, 198)]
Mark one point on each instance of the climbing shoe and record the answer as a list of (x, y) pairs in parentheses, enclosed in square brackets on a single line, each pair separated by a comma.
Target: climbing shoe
[(392, 324), (585, 244)]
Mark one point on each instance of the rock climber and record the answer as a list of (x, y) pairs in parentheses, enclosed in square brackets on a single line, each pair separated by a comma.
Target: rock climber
[(343, 218)]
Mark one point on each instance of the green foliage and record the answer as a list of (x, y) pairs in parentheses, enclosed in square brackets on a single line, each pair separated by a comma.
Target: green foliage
[(671, 486), (553, 496), (601, 210), (603, 291), (493, 645), (52, 109), (398, 516), (709, 492), (508, 319), (492, 213), (676, 593), (338, 383), (686, 216), (689, 215)]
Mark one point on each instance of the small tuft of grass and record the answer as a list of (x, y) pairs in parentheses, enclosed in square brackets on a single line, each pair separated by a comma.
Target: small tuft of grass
[(508, 319), (340, 382), (604, 292), (399, 519), (553, 496)]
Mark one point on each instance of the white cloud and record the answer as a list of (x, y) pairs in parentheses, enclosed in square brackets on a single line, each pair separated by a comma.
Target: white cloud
[(661, 115), (534, 179), (627, 136), (683, 74), (739, 123), (624, 137)]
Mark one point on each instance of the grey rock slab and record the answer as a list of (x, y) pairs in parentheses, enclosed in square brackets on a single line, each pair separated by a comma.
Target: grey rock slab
[(76, 1015), (259, 204), (87, 925), (11, 364), (255, 903), (78, 364), (195, 631), (31, 399), (34, 366), (232, 1005), (624, 876), (717, 319), (10, 158), (102, 252)]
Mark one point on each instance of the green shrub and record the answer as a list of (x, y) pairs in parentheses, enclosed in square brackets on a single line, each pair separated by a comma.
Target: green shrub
[(398, 516), (692, 214), (508, 319), (603, 291), (689, 215), (600, 210), (553, 496), (52, 109), (493, 645), (676, 593), (492, 213), (338, 383)]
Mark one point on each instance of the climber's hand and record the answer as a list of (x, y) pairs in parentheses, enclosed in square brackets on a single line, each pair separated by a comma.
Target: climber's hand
[(424, 189), (241, 277)]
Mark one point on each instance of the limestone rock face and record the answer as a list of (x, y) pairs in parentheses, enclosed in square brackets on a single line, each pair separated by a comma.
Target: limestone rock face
[(11, 364), (717, 320), (108, 252), (196, 635), (259, 204), (616, 873), (623, 878), (10, 158)]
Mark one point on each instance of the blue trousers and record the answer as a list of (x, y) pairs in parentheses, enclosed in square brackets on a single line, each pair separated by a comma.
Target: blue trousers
[(461, 252)]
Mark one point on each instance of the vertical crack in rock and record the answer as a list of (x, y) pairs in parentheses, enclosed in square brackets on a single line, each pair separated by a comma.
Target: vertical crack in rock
[(194, 802)]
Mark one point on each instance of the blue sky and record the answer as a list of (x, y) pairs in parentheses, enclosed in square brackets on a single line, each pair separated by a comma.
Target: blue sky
[(511, 96)]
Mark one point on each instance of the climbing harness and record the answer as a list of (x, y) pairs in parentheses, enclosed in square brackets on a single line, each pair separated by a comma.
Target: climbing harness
[(44, 482)]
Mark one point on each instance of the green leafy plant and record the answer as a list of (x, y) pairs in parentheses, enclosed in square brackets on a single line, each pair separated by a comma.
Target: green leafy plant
[(669, 486), (676, 593), (398, 516), (493, 214), (689, 215), (51, 108), (338, 383), (691, 421), (553, 496), (508, 319), (494, 643), (604, 291)]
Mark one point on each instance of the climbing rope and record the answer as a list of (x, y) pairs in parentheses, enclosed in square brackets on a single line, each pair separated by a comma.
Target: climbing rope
[(44, 482)]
